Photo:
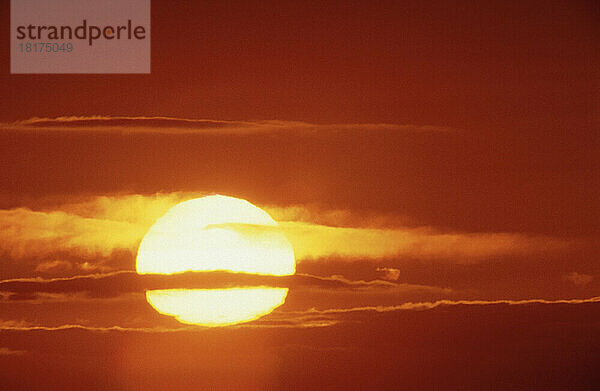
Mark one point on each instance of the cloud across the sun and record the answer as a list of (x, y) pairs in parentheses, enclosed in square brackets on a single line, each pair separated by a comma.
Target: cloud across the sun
[(126, 282), (97, 226)]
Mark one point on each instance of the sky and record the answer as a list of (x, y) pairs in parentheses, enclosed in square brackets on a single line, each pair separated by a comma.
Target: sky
[(434, 166)]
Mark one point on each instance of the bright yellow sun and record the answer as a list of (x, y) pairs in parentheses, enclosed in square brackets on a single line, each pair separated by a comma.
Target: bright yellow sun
[(216, 233)]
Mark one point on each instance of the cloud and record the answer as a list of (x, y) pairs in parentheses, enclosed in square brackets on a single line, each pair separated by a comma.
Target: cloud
[(54, 266), (7, 326), (333, 316), (27, 233), (11, 352), (313, 241), (389, 273), (313, 318), (127, 282), (172, 125), (110, 122), (438, 303), (12, 325), (98, 226), (578, 278)]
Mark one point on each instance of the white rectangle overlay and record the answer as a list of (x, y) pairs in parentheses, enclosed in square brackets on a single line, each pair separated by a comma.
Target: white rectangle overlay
[(80, 36)]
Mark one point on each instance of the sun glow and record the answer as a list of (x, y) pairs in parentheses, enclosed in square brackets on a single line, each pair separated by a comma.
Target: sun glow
[(216, 233)]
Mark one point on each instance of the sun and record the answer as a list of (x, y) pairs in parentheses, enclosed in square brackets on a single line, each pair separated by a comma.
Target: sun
[(216, 233)]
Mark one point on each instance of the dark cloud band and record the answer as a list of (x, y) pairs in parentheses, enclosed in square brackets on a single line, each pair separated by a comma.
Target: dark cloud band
[(123, 282)]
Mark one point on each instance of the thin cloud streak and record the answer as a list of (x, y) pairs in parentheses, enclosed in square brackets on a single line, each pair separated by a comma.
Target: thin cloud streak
[(333, 316), (125, 282), (430, 305), (11, 352), (311, 318), (9, 326), (172, 125)]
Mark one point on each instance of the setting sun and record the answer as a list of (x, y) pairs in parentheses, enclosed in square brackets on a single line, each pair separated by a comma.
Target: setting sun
[(216, 233)]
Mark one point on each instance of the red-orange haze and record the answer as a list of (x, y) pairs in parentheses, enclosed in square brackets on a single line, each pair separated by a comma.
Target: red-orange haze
[(433, 165)]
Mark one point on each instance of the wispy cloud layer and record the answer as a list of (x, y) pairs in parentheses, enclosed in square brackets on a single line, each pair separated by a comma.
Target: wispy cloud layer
[(125, 282), (330, 317), (313, 241), (12, 325), (98, 226), (310, 318), (11, 352), (185, 125), (578, 278)]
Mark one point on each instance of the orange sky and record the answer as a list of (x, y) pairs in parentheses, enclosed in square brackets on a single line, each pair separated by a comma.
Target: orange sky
[(434, 165)]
